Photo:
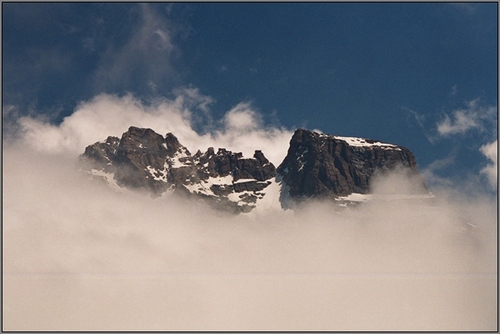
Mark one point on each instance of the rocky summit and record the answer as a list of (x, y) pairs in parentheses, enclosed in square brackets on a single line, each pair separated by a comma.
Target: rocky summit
[(319, 165), (316, 166), (146, 161)]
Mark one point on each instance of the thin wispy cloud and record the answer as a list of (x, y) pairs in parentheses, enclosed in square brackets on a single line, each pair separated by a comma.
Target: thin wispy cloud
[(418, 117), (454, 90), (431, 171), (145, 57), (474, 119)]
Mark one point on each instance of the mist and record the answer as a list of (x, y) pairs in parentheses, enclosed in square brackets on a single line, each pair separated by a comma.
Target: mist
[(78, 255)]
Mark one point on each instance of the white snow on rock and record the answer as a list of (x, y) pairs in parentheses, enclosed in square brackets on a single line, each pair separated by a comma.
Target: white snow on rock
[(181, 153), (228, 179), (270, 198), (243, 180), (356, 197), (360, 142), (158, 175), (108, 179), (204, 186)]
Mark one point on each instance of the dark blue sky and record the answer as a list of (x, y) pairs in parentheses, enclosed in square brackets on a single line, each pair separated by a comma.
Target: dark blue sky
[(396, 72)]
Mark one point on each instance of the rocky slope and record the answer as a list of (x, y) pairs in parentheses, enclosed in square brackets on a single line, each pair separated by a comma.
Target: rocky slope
[(316, 166)]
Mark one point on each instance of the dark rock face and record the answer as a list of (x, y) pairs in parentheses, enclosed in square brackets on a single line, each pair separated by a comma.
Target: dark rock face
[(325, 166), (143, 159)]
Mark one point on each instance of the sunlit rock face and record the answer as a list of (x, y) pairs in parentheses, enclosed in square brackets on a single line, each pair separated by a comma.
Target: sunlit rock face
[(322, 166), (144, 160)]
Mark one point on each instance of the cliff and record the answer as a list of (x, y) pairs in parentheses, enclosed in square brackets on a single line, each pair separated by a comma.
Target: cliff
[(319, 165)]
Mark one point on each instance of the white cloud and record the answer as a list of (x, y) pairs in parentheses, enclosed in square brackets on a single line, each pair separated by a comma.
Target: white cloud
[(474, 117), (462, 121), (77, 256), (491, 170), (240, 130), (105, 115), (242, 118), (191, 98)]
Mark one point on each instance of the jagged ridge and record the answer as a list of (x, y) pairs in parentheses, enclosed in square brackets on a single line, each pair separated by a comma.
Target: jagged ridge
[(145, 160)]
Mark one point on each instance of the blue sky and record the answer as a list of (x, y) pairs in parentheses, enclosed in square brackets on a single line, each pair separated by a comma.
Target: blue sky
[(421, 75)]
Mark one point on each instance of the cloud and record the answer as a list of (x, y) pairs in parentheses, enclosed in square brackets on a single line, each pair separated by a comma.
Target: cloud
[(429, 173), (78, 256), (242, 118), (240, 130), (116, 49), (98, 118), (419, 118), (474, 117), (454, 90), (490, 152), (243, 130), (145, 57)]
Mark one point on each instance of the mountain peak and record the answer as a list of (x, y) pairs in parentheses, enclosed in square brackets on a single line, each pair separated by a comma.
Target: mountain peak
[(172, 142), (144, 159), (319, 165), (316, 166)]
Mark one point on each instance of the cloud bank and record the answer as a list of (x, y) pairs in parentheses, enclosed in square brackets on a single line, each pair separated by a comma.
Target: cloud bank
[(79, 256)]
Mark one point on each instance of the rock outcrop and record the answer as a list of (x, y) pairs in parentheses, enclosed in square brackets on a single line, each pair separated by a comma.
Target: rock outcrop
[(145, 160), (325, 166)]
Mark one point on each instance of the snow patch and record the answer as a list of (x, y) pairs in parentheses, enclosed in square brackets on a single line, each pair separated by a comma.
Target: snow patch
[(109, 179), (236, 197), (162, 173), (271, 197), (360, 142), (243, 181), (356, 197), (218, 180), (204, 186), (175, 160)]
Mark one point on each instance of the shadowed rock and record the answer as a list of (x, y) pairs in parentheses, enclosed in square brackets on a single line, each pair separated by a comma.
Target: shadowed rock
[(319, 165)]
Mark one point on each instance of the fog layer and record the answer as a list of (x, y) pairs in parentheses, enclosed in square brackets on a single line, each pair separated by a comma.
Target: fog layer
[(79, 256)]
